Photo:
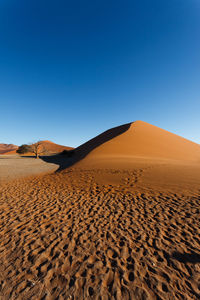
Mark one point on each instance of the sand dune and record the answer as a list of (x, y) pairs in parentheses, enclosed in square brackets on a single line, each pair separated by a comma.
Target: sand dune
[(122, 223), (137, 139), (7, 148), (51, 147)]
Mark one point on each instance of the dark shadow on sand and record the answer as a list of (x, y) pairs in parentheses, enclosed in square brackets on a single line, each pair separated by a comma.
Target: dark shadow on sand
[(28, 156), (70, 158), (187, 257), (61, 160)]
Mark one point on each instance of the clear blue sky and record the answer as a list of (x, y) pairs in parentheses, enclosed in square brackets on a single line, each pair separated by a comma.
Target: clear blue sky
[(72, 69)]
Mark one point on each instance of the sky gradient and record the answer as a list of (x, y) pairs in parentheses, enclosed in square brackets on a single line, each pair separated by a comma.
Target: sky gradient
[(72, 69)]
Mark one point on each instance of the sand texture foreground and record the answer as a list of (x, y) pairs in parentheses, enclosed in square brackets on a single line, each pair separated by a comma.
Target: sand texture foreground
[(70, 235), (120, 219)]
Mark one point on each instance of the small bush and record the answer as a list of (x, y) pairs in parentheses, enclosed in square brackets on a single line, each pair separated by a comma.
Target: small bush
[(24, 149)]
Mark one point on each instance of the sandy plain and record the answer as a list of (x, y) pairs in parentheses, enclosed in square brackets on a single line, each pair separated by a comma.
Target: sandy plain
[(107, 227), (15, 166)]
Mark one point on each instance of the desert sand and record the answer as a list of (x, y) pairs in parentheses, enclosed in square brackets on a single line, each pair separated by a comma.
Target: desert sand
[(122, 222)]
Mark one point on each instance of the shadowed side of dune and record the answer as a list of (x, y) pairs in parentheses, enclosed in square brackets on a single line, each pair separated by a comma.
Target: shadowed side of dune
[(83, 150), (86, 148)]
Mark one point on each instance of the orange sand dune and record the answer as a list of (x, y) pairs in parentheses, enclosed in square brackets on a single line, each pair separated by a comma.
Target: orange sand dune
[(7, 148), (54, 148), (10, 152), (137, 139)]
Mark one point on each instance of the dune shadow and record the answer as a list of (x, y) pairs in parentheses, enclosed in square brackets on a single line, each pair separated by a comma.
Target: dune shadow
[(27, 156), (186, 257), (69, 158), (61, 160)]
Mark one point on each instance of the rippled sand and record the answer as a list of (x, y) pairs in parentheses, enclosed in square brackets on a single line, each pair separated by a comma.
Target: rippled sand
[(102, 233)]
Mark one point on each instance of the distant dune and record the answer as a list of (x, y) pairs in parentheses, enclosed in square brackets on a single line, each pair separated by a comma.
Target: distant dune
[(54, 148), (50, 148), (7, 148), (138, 139)]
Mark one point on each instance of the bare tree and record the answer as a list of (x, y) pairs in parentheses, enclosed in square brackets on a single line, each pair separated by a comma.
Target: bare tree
[(38, 148)]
